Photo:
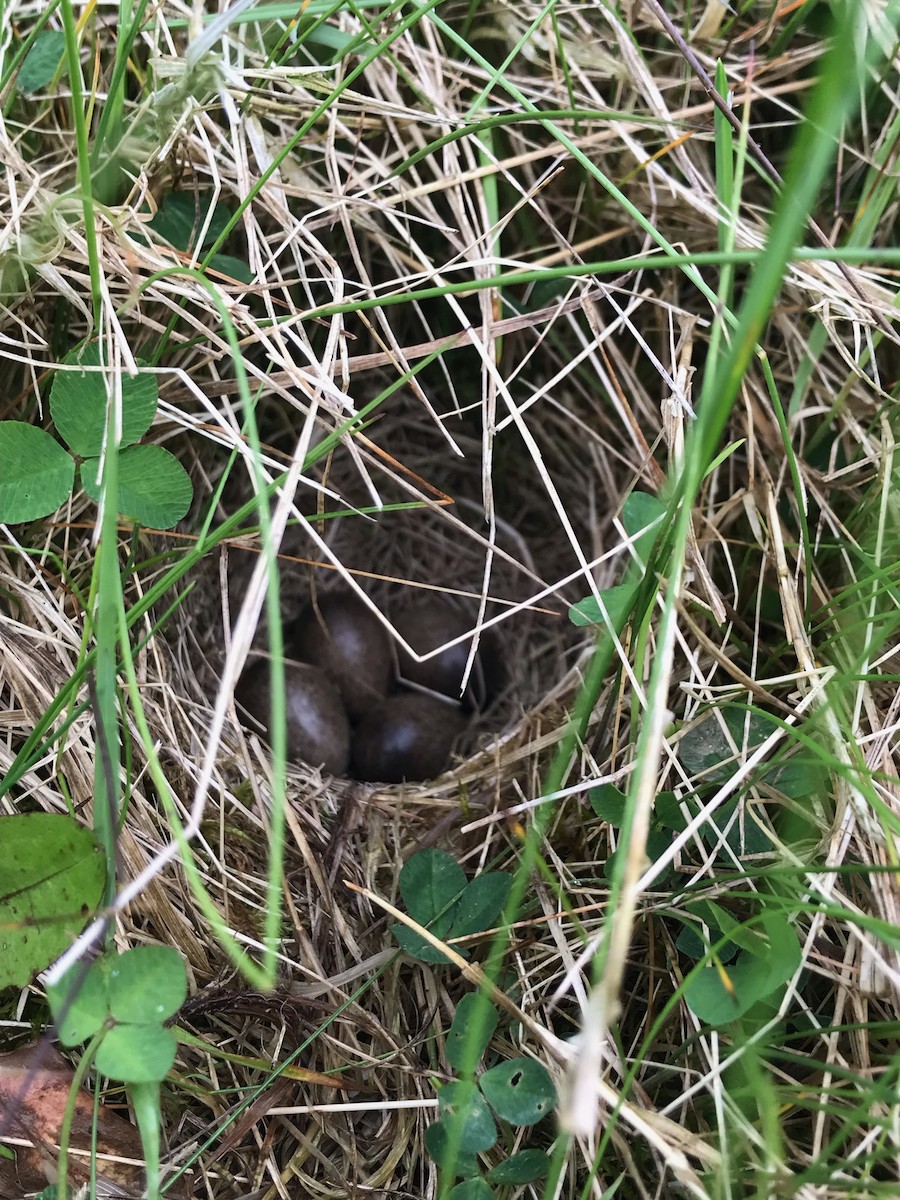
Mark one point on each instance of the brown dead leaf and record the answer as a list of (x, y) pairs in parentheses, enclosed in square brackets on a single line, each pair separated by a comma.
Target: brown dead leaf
[(34, 1086)]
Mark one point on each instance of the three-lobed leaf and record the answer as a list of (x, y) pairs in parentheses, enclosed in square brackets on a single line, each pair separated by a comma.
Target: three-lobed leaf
[(438, 896), (37, 475), (133, 994)]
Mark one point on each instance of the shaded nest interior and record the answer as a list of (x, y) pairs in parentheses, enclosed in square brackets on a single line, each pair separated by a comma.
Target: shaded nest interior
[(411, 522)]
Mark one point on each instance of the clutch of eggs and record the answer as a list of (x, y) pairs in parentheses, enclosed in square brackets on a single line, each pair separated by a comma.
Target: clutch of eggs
[(339, 708)]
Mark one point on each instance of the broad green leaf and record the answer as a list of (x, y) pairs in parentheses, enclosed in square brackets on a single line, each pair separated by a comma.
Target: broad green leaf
[(430, 882), (146, 985), (524, 1167), (137, 1053), (785, 954), (154, 488), (520, 1091), (181, 216), (414, 944), (717, 995), (439, 1146), (78, 402), (707, 749), (608, 803), (52, 873), (42, 61), (37, 475), (465, 1042), (617, 599), (745, 836), (234, 268), (667, 810), (800, 776), (79, 1002), (480, 904), (466, 1117), (437, 895), (471, 1189), (640, 510)]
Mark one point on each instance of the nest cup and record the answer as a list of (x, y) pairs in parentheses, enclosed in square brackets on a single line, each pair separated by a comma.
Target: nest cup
[(430, 541)]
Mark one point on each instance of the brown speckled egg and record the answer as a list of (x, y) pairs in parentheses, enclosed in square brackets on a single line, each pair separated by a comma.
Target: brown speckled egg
[(350, 644), (318, 731), (432, 622), (407, 737)]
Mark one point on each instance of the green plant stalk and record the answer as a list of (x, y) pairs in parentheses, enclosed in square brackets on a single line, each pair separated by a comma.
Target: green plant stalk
[(106, 769), (105, 625), (95, 1126), (725, 193), (258, 978), (561, 55), (850, 255), (277, 724), (517, 118), (145, 1102), (83, 167), (65, 1132), (834, 97)]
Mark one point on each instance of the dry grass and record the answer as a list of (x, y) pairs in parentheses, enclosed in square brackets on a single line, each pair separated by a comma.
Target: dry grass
[(526, 414)]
